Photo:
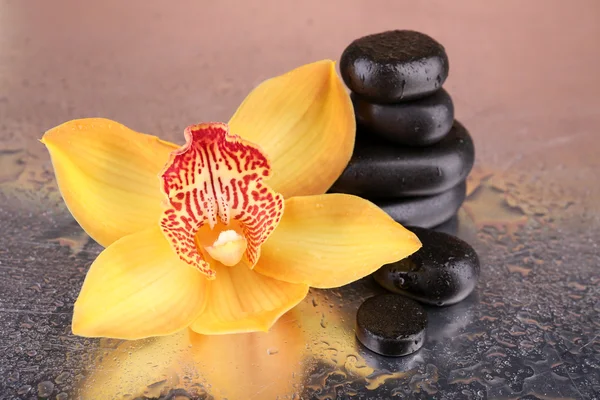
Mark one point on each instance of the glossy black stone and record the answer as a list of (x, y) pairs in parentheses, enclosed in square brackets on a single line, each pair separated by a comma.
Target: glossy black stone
[(391, 325), (426, 211), (443, 272), (394, 66), (421, 122), (380, 170)]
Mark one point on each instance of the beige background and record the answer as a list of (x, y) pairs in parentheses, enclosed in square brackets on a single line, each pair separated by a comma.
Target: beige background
[(523, 74)]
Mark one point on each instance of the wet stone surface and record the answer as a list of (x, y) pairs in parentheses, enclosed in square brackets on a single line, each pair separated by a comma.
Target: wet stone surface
[(529, 329), (442, 272), (394, 66), (379, 170), (416, 123), (425, 211), (391, 325)]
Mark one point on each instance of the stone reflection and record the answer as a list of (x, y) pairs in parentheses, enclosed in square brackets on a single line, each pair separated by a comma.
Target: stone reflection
[(341, 367), (447, 322)]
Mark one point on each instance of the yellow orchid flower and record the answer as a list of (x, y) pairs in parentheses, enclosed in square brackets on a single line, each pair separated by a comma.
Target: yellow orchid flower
[(219, 243)]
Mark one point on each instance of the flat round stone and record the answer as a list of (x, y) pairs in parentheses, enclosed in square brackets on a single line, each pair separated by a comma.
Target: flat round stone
[(379, 170), (426, 211), (394, 66), (391, 325), (442, 272), (421, 122)]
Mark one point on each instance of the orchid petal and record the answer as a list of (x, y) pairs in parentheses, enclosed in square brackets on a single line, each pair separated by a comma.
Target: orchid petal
[(108, 176), (330, 240), (304, 121), (136, 288), (241, 300)]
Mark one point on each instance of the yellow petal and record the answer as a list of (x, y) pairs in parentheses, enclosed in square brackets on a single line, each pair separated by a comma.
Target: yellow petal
[(108, 176), (241, 300), (330, 240), (304, 121), (137, 288)]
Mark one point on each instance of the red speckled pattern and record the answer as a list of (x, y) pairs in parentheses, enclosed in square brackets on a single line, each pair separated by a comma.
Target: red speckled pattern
[(217, 176)]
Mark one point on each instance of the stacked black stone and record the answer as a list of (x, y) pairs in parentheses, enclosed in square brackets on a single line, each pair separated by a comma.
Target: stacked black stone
[(411, 157)]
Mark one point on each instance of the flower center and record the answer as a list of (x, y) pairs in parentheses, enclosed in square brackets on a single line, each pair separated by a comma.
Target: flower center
[(223, 243), (217, 203), (228, 248)]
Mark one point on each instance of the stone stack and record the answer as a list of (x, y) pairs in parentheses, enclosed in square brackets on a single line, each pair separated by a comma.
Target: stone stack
[(411, 157)]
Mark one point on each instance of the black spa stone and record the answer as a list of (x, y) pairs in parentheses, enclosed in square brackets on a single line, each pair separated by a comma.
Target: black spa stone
[(394, 66), (421, 122), (426, 211), (378, 170), (391, 325), (442, 272)]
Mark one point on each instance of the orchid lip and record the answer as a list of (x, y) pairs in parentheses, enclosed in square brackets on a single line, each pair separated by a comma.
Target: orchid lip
[(229, 248), (214, 185)]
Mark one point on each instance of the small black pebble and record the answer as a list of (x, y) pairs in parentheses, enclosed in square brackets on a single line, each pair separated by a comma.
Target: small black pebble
[(391, 325), (442, 272), (394, 66)]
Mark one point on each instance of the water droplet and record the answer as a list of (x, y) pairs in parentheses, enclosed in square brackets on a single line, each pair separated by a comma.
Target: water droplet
[(62, 378), (12, 164), (24, 390), (577, 286), (487, 206), (323, 322), (45, 389), (518, 269), (272, 351)]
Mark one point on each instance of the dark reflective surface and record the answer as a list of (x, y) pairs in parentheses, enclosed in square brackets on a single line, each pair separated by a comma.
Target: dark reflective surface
[(524, 80)]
